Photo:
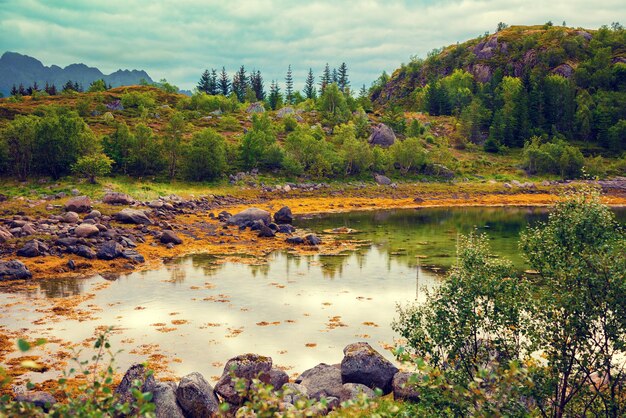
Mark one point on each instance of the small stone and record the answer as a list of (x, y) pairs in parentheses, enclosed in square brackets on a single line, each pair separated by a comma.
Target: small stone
[(86, 230), (168, 236), (71, 217)]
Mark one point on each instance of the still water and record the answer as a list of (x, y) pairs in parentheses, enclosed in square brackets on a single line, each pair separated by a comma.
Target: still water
[(300, 310)]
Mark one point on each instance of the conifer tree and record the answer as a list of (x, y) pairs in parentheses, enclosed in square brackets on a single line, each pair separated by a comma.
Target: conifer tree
[(213, 88), (256, 83), (14, 90), (342, 77), (35, 86), (325, 80), (224, 84), (240, 82), (204, 85), (289, 86), (21, 90), (309, 86), (275, 99)]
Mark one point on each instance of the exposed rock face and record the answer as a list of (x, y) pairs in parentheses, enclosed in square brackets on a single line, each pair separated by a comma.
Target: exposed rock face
[(482, 72), (383, 180), (116, 198), (283, 216), (110, 250), (362, 364), (246, 366), (86, 230), (403, 389), (134, 372), (564, 70), (164, 399), (14, 270), (168, 236), (351, 391), (250, 215), (33, 248), (321, 381), (132, 216), (80, 204), (382, 135), (43, 400), (486, 49), (196, 397)]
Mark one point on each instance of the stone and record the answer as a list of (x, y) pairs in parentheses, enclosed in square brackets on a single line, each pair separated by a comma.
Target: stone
[(71, 217), (362, 364), (283, 216), (5, 235), (278, 378), (156, 204), (33, 248), (284, 111), (117, 198), (295, 240), (293, 392), (286, 229), (250, 215), (382, 135), (86, 230), (383, 180), (79, 204), (196, 396), (84, 251), (312, 239), (132, 216), (28, 229), (247, 367), (266, 232), (507, 186), (123, 391), (255, 108), (322, 381), (133, 255), (14, 270), (168, 236), (164, 400), (94, 214), (40, 399), (564, 70), (352, 391), (402, 387), (110, 250)]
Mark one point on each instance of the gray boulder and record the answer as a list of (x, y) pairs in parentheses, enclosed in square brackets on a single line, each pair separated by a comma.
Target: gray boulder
[(247, 367), (250, 215), (294, 240), (312, 239), (164, 399), (403, 387), (136, 372), (284, 111), (33, 248), (283, 216), (5, 235), (110, 250), (266, 232), (351, 391), (383, 180), (132, 216), (117, 198), (79, 204), (133, 255), (71, 217), (322, 381), (14, 270), (43, 400), (362, 364), (255, 108), (86, 230), (84, 251), (196, 397), (168, 236), (278, 378), (293, 392), (382, 135)]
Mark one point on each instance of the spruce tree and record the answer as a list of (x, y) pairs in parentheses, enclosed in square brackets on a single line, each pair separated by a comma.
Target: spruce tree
[(342, 77), (204, 85), (289, 86), (14, 90), (21, 90), (224, 84), (325, 80), (275, 99), (240, 82), (35, 86), (213, 87), (256, 83), (68, 86), (309, 86)]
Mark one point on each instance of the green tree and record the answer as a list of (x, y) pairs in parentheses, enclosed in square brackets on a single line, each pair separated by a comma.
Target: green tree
[(474, 119), (240, 82), (617, 136), (289, 86), (275, 98), (356, 153), (146, 153), (333, 106), (118, 146), (92, 166), (258, 147), (224, 83), (204, 157), (20, 137), (560, 103), (408, 154), (325, 80), (175, 130), (204, 84), (309, 86), (584, 114), (342, 78), (96, 86), (316, 157)]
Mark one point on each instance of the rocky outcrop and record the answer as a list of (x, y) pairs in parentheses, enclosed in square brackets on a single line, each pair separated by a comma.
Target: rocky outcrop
[(165, 402), (362, 364), (255, 108), (382, 135), (564, 70)]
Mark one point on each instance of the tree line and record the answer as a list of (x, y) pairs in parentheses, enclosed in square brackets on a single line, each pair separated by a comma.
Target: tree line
[(51, 89)]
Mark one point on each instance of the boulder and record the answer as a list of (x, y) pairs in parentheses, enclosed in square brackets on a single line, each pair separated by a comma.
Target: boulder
[(164, 400), (135, 372), (284, 111), (283, 216), (196, 397), (94, 214), (80, 204), (255, 108), (362, 364), (294, 240), (380, 179), (33, 248), (5, 235), (247, 367), (351, 391), (14, 270), (71, 217), (43, 400), (382, 135), (266, 232), (117, 198), (86, 230), (132, 216), (29, 229), (312, 239), (248, 216), (133, 255), (168, 236), (110, 250), (293, 392), (84, 251), (278, 378), (321, 381), (402, 387), (286, 229), (564, 70)]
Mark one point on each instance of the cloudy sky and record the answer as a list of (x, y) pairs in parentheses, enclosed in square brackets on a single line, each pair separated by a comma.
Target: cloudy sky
[(177, 39)]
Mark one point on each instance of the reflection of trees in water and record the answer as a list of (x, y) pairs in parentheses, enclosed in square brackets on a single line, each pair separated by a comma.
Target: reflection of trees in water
[(332, 265), (260, 269), (56, 288), (178, 273)]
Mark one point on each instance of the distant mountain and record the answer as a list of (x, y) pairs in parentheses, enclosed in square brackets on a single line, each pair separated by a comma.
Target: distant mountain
[(17, 68)]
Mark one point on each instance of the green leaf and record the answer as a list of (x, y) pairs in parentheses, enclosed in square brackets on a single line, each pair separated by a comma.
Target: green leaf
[(23, 345)]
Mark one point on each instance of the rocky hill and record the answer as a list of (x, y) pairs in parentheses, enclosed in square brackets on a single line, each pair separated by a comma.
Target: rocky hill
[(21, 69), (514, 51)]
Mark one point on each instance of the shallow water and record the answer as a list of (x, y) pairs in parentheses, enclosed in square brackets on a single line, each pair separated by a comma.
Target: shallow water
[(299, 310)]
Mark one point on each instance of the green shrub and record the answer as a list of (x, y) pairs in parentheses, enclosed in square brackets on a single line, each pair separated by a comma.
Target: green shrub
[(408, 154), (204, 157), (92, 166), (290, 123), (258, 146), (556, 157), (135, 99), (317, 157), (229, 124)]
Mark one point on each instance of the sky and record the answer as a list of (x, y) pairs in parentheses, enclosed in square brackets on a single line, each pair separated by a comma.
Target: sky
[(178, 39)]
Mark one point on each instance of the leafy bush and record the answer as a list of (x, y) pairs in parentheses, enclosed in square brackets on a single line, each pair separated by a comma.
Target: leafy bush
[(135, 99), (290, 123), (208, 103), (92, 166), (258, 147), (408, 154), (229, 124), (556, 157), (316, 157), (205, 156)]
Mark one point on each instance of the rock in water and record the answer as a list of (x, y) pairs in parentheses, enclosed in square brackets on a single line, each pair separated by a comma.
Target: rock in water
[(80, 204), (382, 135), (321, 381), (250, 215), (196, 397), (362, 364), (134, 372), (164, 399), (247, 367), (312, 239), (132, 216), (110, 250), (283, 216)]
